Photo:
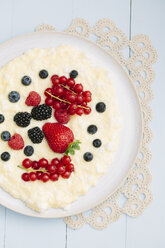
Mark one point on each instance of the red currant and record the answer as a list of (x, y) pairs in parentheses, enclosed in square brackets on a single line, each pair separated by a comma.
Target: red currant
[(56, 105), (32, 176), (58, 90), (71, 97), (73, 106), (39, 173), (87, 93), (55, 80), (87, 111), (61, 169), (27, 163), (25, 177), (55, 161), (45, 177), (43, 162), (70, 167), (66, 160), (49, 101), (79, 111), (66, 174), (64, 105), (84, 104), (63, 80), (35, 165), (78, 88), (70, 82), (87, 98), (54, 177), (54, 76), (79, 99), (51, 168), (48, 90)]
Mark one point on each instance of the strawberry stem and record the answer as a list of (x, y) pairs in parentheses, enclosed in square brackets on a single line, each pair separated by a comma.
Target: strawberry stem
[(72, 147)]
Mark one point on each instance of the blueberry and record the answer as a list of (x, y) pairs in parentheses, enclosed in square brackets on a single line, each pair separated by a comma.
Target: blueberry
[(14, 96), (97, 143), (100, 107), (92, 129), (28, 150), (26, 80), (2, 118), (73, 74), (5, 135), (88, 156), (43, 74), (5, 156)]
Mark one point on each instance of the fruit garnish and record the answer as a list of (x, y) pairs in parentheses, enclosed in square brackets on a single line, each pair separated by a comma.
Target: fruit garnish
[(58, 136), (33, 99), (41, 112), (22, 119), (16, 142), (72, 147), (35, 135)]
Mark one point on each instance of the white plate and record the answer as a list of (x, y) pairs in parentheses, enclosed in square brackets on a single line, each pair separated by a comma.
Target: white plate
[(128, 105)]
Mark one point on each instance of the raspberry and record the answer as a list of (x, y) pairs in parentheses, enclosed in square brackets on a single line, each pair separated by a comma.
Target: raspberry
[(62, 116), (16, 142), (33, 99), (41, 112)]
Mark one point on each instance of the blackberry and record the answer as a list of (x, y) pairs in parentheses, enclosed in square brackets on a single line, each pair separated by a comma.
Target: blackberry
[(92, 129), (100, 107), (28, 150), (73, 74), (14, 96), (2, 118), (5, 156), (26, 80), (41, 112), (97, 143), (35, 135), (88, 156), (43, 74), (22, 119)]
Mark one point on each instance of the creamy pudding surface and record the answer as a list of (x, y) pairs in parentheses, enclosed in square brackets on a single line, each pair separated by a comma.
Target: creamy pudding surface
[(61, 61)]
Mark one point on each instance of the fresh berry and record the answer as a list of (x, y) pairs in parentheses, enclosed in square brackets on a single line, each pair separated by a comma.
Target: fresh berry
[(44, 177), (71, 97), (28, 150), (72, 108), (79, 99), (49, 101), (27, 163), (92, 129), (49, 90), (25, 177), (5, 135), (54, 77), (73, 74), (62, 116), (87, 111), (61, 169), (16, 142), (79, 111), (22, 119), (58, 136), (97, 143), (63, 80), (5, 156), (2, 118), (64, 105), (54, 176), (88, 156), (26, 80), (41, 112), (56, 105), (58, 91), (35, 135), (87, 93), (87, 98), (33, 176), (69, 167), (84, 104), (51, 168), (78, 88), (71, 82), (66, 160), (55, 81), (43, 74), (14, 96), (66, 174), (100, 107), (43, 162), (39, 173), (35, 165), (33, 99), (55, 162)]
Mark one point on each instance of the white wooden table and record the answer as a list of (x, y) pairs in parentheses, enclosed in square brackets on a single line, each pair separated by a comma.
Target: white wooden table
[(133, 17)]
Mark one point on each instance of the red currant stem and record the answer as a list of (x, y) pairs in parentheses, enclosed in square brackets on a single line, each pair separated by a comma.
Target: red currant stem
[(68, 89), (31, 170), (62, 100)]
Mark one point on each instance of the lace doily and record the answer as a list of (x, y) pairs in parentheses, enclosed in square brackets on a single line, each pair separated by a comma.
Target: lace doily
[(134, 192)]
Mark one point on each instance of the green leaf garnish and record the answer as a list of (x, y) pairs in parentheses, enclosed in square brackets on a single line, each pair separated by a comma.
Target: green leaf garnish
[(72, 147)]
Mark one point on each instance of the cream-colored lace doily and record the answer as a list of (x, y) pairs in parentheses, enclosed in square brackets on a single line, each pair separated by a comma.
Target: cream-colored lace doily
[(134, 191)]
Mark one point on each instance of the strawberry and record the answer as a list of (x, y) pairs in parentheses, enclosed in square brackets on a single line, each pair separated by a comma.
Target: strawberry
[(58, 136), (16, 142), (33, 99)]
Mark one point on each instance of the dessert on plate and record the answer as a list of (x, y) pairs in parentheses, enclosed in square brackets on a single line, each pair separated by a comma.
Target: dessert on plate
[(59, 126)]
